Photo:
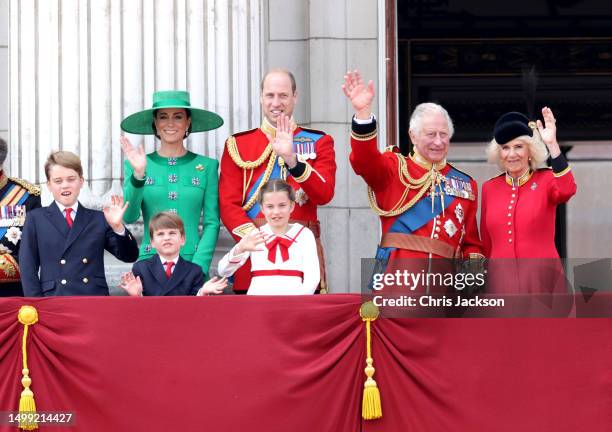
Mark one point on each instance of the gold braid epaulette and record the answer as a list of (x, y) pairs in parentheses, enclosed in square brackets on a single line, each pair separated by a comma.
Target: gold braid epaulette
[(423, 184), (232, 149), (33, 189), (264, 180)]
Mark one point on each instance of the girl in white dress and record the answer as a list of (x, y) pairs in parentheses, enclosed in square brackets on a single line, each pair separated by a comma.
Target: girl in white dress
[(283, 256)]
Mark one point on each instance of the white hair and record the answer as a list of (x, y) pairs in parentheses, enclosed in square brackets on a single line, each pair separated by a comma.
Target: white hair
[(416, 119), (538, 152)]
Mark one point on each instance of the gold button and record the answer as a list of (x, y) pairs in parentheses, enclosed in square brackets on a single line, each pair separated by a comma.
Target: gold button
[(509, 232), (63, 281), (62, 261), (509, 207), (437, 229), (85, 280), (512, 202), (509, 240), (509, 223), (509, 214), (84, 260), (436, 236), (513, 195)]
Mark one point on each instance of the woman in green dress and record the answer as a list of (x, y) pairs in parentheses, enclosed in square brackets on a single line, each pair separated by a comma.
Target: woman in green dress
[(173, 178)]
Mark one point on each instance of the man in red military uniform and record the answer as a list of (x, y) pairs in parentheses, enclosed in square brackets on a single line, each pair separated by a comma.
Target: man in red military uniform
[(304, 157), (427, 207)]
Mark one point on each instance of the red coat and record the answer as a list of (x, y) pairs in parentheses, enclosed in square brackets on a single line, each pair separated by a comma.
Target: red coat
[(519, 221), (381, 173), (315, 186)]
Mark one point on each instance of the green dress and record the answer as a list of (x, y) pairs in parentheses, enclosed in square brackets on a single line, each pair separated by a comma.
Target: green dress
[(187, 186)]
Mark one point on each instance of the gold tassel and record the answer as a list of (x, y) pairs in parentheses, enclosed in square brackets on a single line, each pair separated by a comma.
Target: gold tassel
[(27, 316), (371, 406)]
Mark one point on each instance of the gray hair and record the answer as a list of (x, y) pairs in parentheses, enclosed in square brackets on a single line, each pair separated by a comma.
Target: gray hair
[(416, 119), (538, 152), (3, 151)]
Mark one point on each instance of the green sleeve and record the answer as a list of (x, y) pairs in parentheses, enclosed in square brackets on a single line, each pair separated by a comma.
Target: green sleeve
[(133, 192), (210, 222)]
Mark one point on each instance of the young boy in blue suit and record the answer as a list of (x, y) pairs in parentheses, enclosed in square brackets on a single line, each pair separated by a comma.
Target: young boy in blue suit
[(166, 273), (62, 245)]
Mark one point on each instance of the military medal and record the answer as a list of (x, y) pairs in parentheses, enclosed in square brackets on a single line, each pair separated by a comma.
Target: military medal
[(312, 154), (534, 185)]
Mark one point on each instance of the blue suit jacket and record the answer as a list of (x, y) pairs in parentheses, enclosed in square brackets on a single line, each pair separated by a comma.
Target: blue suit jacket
[(187, 278), (70, 260)]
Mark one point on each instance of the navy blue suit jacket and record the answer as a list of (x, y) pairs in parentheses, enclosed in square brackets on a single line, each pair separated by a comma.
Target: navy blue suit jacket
[(70, 260), (187, 278)]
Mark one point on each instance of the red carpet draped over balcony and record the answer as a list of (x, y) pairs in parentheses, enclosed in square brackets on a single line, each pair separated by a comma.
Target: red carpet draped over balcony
[(236, 363)]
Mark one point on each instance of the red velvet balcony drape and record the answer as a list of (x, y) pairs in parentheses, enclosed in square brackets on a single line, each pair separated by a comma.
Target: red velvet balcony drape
[(236, 363)]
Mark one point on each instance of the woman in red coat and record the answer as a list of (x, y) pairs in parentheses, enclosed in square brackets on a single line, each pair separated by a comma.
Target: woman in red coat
[(518, 207)]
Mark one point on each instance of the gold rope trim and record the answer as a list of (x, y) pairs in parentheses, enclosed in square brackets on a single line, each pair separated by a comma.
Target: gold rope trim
[(27, 316), (232, 149), (264, 180), (423, 184), (371, 408)]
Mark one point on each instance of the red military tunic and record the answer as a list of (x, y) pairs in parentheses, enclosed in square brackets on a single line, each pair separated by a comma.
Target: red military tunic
[(518, 221), (456, 227), (247, 156)]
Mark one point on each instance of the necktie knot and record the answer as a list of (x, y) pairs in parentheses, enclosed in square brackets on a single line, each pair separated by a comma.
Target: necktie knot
[(169, 265), (69, 219)]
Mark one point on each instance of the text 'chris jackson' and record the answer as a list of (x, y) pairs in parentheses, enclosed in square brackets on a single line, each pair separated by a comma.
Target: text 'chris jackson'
[(436, 301)]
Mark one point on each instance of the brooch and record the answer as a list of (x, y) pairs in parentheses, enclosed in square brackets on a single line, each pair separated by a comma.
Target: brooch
[(450, 228), (199, 167), (301, 197), (459, 213)]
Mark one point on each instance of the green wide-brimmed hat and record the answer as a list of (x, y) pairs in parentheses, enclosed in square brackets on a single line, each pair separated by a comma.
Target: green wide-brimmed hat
[(141, 123)]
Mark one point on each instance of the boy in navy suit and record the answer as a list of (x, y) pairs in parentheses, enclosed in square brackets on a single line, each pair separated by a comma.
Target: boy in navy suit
[(166, 273), (62, 246)]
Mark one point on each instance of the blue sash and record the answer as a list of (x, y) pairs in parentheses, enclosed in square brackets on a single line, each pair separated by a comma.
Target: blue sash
[(416, 217), (303, 142)]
